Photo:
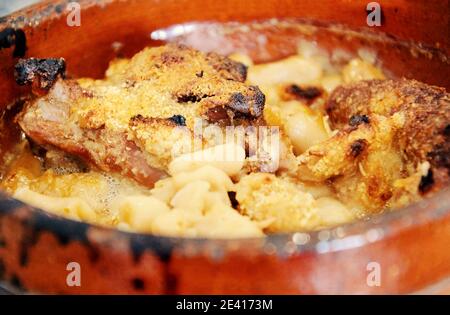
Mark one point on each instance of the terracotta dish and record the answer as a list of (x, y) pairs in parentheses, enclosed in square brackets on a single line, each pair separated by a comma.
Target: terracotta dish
[(411, 245)]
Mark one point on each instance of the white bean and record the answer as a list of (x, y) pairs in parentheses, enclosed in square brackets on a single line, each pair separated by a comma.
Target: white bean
[(292, 70), (226, 157)]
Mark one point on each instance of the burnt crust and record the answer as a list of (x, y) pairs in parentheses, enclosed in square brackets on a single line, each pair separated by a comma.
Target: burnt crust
[(42, 72), (356, 120), (179, 120), (239, 108), (357, 147), (229, 69), (426, 182), (191, 97), (296, 92), (176, 120), (251, 105), (440, 156)]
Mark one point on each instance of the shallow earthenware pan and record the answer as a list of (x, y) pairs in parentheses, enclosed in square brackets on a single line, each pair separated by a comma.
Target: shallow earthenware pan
[(409, 247)]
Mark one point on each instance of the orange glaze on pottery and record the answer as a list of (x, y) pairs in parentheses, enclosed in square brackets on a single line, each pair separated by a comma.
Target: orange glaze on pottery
[(411, 245)]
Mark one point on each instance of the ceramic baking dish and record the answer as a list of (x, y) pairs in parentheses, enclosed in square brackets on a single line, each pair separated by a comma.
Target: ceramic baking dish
[(410, 246)]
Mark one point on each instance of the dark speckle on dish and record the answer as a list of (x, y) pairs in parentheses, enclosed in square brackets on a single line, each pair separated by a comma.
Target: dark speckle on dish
[(2, 269), (138, 284), (59, 8), (16, 283)]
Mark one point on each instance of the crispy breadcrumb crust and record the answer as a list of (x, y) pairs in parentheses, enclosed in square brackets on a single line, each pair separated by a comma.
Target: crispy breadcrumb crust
[(276, 203)]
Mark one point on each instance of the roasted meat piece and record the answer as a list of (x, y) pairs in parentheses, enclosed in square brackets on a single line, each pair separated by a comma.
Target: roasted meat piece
[(125, 123), (426, 133), (392, 146)]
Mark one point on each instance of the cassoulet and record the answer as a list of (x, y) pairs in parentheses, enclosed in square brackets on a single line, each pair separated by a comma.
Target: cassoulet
[(183, 143)]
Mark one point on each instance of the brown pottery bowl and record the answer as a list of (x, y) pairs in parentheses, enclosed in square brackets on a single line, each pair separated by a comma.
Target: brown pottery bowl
[(411, 247)]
